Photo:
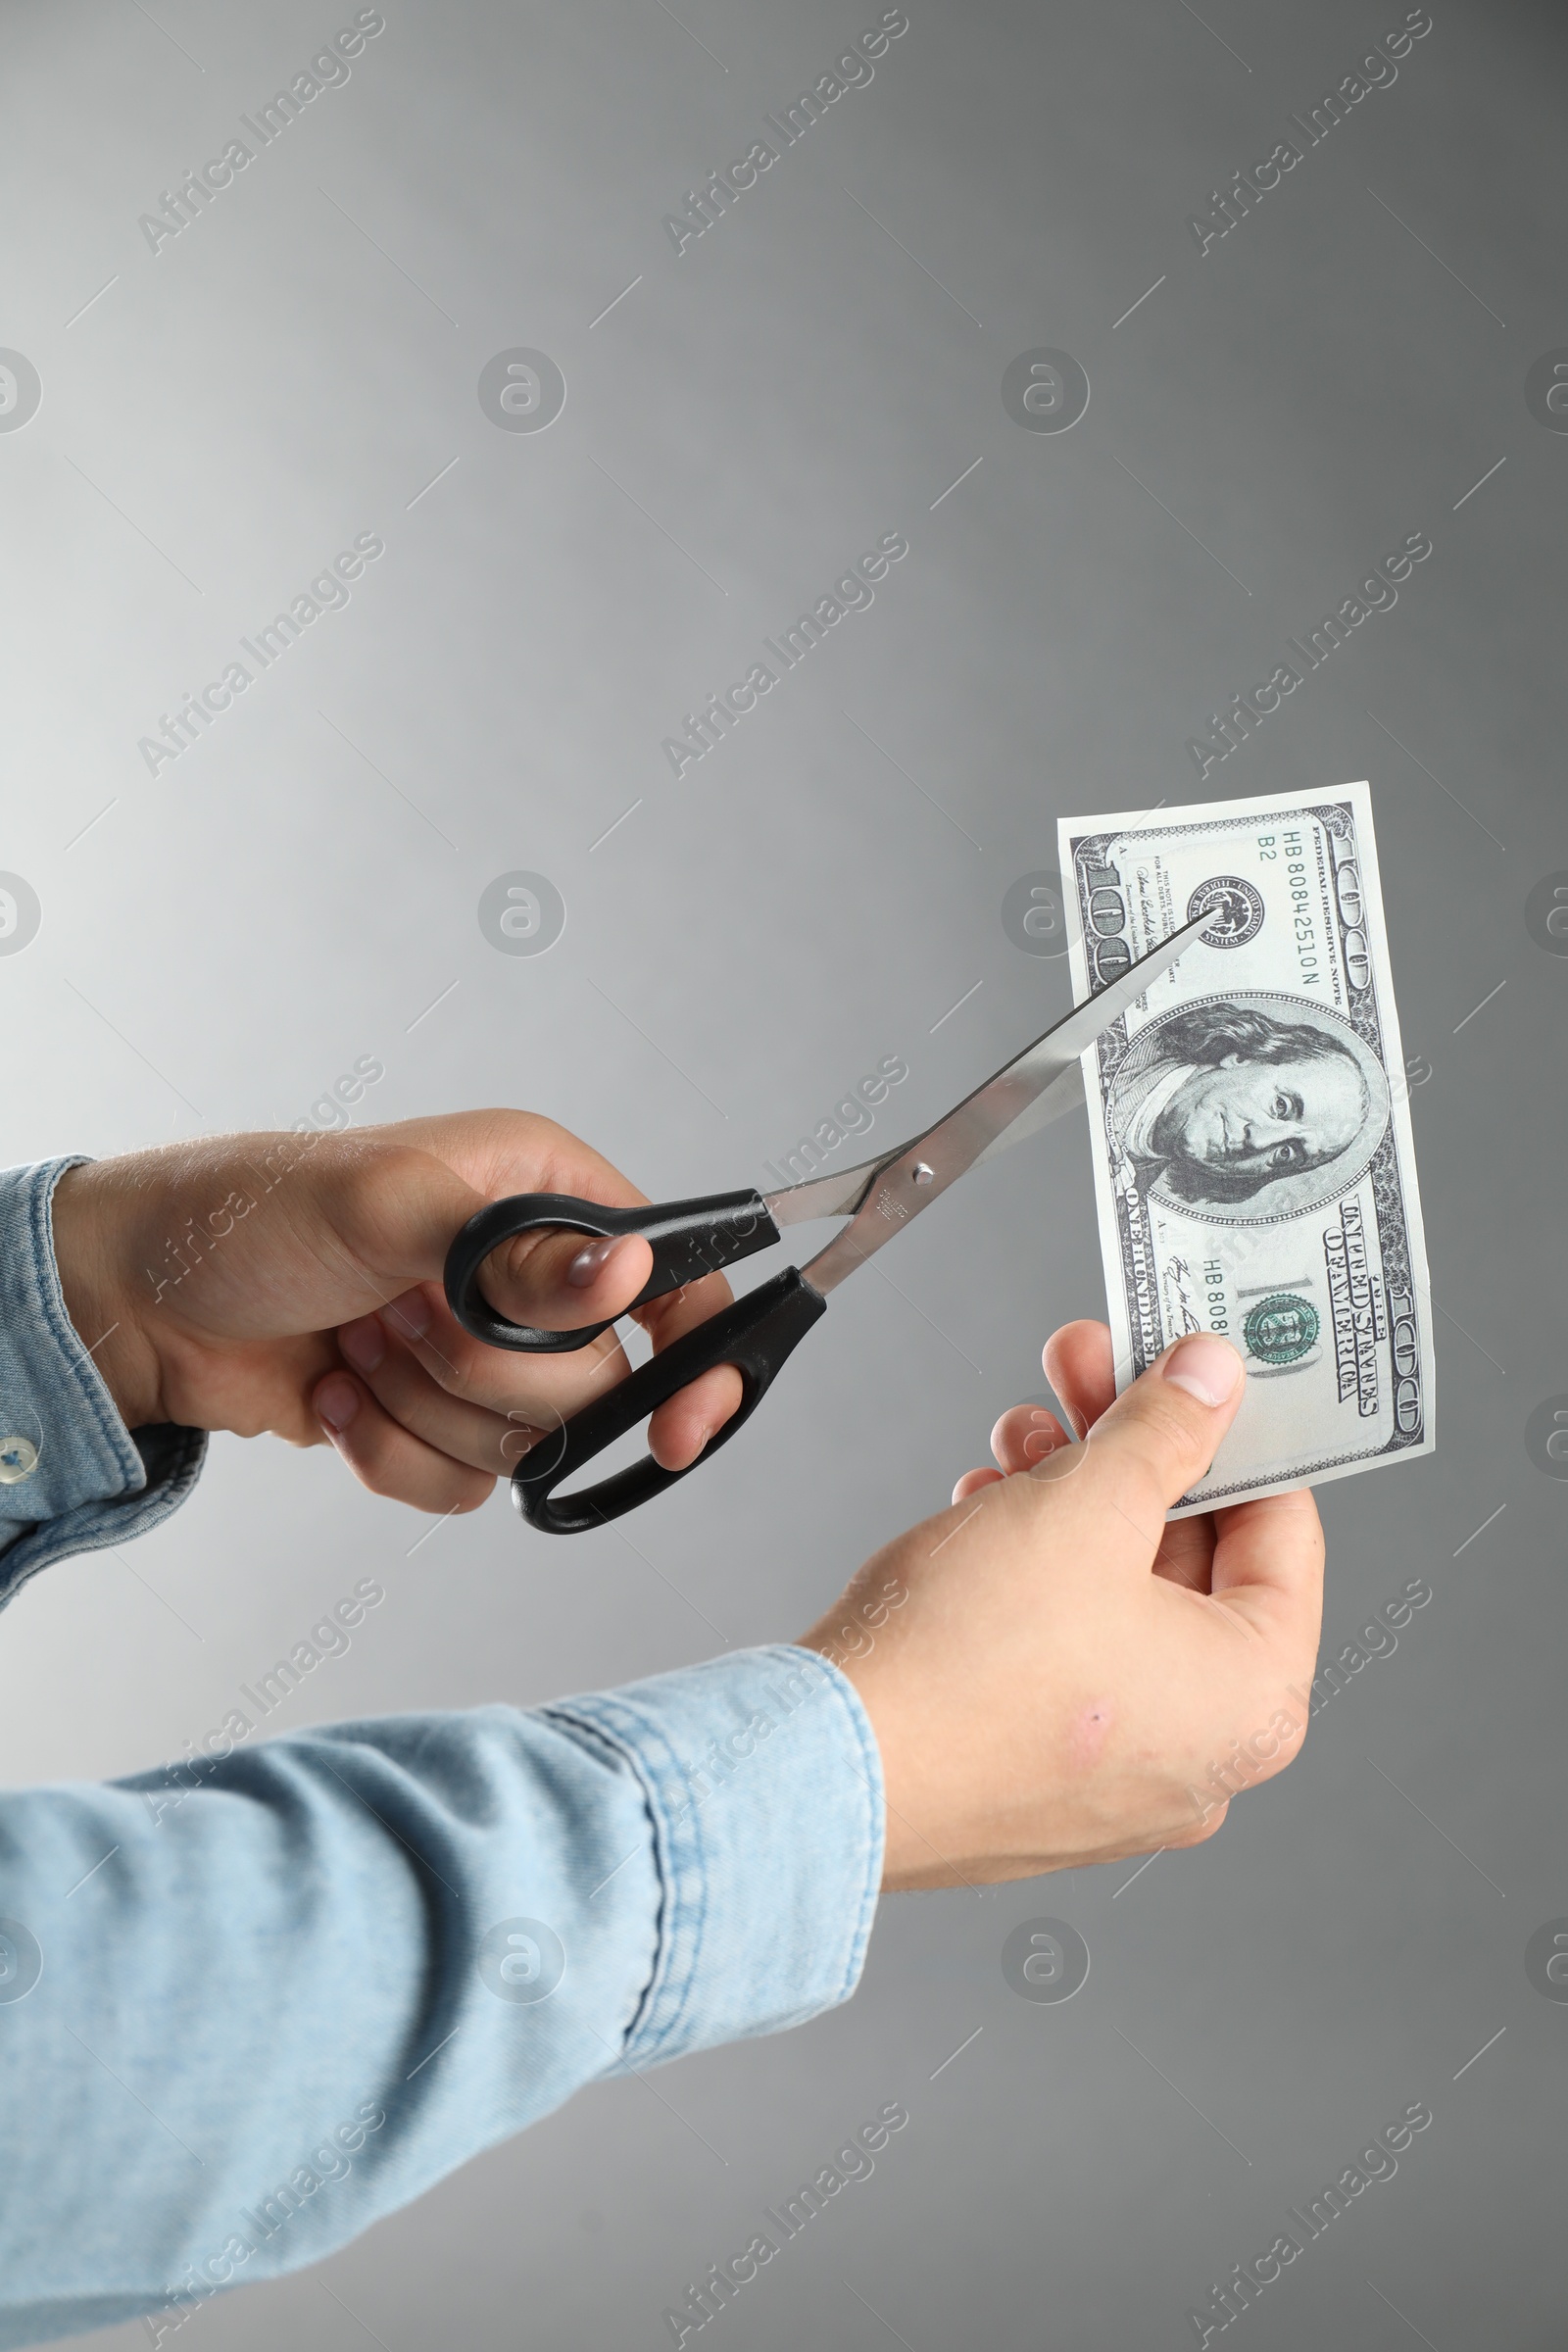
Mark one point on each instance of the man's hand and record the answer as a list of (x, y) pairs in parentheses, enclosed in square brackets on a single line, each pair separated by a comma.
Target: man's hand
[(292, 1283), (1056, 1675)]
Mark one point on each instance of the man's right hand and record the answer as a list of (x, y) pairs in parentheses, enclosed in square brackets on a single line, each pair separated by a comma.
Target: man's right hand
[(293, 1283), (1058, 1675)]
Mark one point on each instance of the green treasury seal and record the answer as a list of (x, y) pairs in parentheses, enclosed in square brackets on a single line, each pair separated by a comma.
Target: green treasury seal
[(1281, 1329)]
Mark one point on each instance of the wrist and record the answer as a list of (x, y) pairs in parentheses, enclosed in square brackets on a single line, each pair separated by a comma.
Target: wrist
[(860, 1637), (89, 1230)]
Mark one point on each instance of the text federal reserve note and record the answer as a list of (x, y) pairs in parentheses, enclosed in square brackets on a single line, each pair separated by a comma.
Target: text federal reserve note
[(1254, 1171)]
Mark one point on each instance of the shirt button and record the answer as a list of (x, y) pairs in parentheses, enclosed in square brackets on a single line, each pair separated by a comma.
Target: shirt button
[(19, 1460)]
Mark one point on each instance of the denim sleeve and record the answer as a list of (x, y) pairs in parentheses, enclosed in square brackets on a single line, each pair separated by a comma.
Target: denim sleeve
[(72, 1478), (243, 2019)]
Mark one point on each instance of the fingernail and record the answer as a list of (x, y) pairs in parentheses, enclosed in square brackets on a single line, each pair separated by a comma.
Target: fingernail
[(587, 1262), (364, 1342), (411, 1313), (1207, 1367), (336, 1402)]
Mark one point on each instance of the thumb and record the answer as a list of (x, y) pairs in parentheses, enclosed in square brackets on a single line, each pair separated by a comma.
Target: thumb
[(1160, 1435), (400, 1208), (557, 1280)]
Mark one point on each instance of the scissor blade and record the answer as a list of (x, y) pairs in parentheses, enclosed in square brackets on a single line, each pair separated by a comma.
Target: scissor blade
[(891, 1190), (1064, 1092), (838, 1194), (841, 1194)]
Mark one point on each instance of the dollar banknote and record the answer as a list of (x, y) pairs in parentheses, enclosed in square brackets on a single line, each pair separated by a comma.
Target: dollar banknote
[(1254, 1169)]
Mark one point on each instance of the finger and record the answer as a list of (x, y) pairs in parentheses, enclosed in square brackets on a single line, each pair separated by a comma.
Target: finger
[(389, 1459), (542, 1389), (1024, 1436), (557, 1280), (1185, 1555), (1079, 1367), (464, 1432), (972, 1481), (1199, 1833), (684, 1424), (1268, 1561), (528, 1391), (1160, 1436), (394, 1208), (1028, 1433)]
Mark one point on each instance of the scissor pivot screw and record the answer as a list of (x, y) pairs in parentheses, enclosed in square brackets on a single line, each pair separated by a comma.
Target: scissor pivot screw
[(921, 1173)]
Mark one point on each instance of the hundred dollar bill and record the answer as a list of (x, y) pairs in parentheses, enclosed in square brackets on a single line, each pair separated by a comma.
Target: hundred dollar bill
[(1255, 1172)]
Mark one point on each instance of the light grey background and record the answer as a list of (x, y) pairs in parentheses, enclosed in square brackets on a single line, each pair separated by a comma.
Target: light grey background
[(219, 943)]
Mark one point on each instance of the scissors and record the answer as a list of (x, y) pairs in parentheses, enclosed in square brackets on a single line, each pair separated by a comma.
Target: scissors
[(758, 1333)]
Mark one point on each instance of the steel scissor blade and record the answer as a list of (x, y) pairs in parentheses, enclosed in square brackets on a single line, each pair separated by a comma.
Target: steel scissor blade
[(1064, 1092), (840, 1194), (881, 1196)]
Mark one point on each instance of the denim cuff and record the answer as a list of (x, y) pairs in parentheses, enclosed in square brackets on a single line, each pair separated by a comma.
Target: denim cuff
[(763, 1783), (72, 1478)]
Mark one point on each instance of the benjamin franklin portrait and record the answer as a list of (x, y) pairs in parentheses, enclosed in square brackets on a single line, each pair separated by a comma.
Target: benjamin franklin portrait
[(1255, 1106)]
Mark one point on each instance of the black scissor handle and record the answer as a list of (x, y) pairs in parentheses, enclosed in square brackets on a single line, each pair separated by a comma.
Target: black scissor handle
[(756, 1334), (689, 1238)]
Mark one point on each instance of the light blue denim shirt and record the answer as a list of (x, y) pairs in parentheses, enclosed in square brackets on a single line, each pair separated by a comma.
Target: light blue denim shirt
[(244, 2016)]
